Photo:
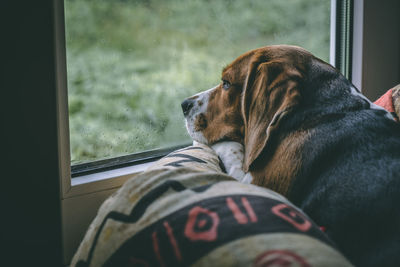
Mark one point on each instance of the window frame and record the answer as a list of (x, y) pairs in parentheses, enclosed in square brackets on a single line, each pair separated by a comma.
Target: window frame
[(91, 185), (92, 182), (81, 196)]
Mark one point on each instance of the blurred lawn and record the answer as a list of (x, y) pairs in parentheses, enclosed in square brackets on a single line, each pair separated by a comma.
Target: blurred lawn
[(131, 62)]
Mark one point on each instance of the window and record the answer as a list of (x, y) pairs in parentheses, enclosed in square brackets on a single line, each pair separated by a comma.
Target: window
[(130, 63), (124, 66)]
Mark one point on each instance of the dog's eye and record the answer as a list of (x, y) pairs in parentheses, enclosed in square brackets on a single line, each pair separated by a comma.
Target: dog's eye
[(226, 85)]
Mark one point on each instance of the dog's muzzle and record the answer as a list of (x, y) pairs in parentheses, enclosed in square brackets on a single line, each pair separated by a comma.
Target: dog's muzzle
[(187, 105)]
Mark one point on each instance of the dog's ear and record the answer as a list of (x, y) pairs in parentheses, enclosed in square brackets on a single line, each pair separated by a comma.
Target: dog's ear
[(271, 93)]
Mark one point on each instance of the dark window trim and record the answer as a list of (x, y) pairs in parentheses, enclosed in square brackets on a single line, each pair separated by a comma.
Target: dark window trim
[(122, 161), (344, 36)]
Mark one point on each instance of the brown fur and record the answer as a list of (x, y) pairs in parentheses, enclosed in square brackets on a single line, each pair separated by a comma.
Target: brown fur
[(264, 89), (283, 165)]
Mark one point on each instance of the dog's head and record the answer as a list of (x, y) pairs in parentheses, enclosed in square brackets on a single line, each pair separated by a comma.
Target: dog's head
[(257, 91)]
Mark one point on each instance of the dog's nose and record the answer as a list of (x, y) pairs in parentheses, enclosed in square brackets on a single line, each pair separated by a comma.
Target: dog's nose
[(187, 105)]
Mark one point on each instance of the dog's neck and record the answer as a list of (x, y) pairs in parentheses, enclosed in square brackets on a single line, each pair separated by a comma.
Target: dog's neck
[(277, 168)]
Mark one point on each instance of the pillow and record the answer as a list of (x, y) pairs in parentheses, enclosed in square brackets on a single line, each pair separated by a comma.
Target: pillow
[(391, 101), (185, 211)]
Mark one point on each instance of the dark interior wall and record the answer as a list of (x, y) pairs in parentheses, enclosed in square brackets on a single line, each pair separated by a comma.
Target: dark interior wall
[(30, 200), (381, 47)]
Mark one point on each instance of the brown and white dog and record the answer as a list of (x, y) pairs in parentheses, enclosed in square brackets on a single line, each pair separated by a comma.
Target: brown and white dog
[(308, 134)]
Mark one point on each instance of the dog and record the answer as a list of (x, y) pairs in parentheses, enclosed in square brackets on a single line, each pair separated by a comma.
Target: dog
[(307, 133)]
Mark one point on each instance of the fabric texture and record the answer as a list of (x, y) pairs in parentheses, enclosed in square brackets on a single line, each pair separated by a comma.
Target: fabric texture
[(198, 157), (391, 101), (396, 99), (184, 211)]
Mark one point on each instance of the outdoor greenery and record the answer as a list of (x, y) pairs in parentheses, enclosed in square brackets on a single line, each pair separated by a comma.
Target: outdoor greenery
[(131, 62)]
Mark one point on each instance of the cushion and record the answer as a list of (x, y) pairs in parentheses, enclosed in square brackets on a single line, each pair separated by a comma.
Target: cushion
[(391, 101), (185, 211)]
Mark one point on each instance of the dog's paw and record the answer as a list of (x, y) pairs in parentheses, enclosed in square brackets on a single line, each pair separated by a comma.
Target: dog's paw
[(231, 154)]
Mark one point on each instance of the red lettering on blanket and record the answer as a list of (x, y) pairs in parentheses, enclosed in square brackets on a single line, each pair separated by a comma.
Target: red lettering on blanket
[(280, 258), (194, 222), (173, 242), (157, 249), (188, 234), (239, 216), (249, 210), (292, 216)]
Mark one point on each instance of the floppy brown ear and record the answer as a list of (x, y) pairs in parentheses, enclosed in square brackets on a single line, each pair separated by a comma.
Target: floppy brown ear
[(270, 94)]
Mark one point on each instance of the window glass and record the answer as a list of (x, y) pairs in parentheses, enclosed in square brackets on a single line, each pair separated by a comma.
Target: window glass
[(131, 62)]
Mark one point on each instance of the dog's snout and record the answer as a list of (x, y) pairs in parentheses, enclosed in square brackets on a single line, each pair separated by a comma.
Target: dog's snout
[(187, 105)]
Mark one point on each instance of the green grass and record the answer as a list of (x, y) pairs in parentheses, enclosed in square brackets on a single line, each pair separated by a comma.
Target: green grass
[(131, 62)]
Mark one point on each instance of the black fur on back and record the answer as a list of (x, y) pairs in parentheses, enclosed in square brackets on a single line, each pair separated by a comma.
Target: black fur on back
[(350, 179)]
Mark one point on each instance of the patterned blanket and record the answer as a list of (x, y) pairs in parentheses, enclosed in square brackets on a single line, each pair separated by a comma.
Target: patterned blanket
[(184, 211)]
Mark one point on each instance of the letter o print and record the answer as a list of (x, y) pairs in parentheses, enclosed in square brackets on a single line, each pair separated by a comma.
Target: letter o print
[(292, 216), (193, 222)]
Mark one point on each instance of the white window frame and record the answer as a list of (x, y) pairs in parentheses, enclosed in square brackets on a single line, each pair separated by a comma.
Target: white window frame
[(82, 196)]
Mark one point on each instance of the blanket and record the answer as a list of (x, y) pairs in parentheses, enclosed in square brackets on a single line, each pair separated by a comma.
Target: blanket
[(184, 211)]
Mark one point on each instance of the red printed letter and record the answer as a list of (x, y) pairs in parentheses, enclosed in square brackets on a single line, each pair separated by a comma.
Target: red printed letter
[(157, 249), (280, 258), (292, 216), (193, 222), (249, 209), (173, 242), (239, 216)]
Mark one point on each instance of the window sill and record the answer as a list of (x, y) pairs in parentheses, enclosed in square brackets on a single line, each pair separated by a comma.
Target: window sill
[(100, 181)]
